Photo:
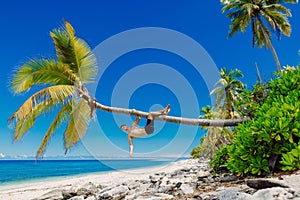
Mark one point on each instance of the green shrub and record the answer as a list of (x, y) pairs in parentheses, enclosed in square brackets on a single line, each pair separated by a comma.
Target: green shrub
[(196, 152), (252, 100), (274, 130), (291, 160), (220, 158)]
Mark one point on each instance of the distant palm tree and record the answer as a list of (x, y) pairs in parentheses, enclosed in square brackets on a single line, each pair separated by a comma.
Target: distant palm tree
[(63, 81), (227, 92), (215, 137), (258, 13), (207, 113)]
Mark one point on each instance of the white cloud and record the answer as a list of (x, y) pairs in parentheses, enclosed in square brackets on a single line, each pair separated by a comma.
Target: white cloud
[(2, 155)]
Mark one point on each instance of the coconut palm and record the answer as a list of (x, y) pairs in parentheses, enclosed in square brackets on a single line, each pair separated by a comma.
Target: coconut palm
[(62, 90), (215, 137), (206, 112), (61, 81), (262, 15), (227, 92)]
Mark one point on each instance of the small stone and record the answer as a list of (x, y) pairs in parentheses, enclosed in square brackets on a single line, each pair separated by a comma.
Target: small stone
[(265, 183), (91, 198), (52, 195), (208, 180), (133, 185), (165, 189), (219, 189), (178, 184), (119, 190), (233, 194), (186, 189), (87, 189), (203, 174), (228, 178), (67, 194), (154, 179), (77, 198), (154, 196), (273, 193)]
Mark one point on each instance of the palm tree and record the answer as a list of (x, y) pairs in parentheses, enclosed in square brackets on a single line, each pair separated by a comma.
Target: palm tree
[(227, 92), (258, 12), (206, 112), (63, 81), (215, 137)]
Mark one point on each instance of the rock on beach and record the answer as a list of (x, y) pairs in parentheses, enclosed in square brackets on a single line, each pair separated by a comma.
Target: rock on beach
[(186, 179)]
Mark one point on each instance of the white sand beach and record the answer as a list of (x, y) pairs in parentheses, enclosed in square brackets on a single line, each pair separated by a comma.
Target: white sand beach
[(184, 179), (35, 189)]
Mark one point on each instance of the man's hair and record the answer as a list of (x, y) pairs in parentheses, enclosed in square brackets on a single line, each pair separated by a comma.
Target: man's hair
[(123, 125)]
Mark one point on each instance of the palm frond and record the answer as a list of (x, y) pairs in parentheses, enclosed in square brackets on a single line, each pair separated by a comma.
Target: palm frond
[(221, 81), (61, 117), (239, 23), (88, 67), (41, 72), (277, 21), (206, 113), (281, 1), (260, 39), (235, 74), (75, 53), (217, 90), (56, 94), (78, 121), (220, 95), (24, 124)]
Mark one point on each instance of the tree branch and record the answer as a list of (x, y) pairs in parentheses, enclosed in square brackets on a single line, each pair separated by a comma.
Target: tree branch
[(172, 119)]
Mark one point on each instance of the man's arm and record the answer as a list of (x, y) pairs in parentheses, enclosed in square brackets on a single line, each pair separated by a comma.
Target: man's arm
[(130, 146), (137, 120)]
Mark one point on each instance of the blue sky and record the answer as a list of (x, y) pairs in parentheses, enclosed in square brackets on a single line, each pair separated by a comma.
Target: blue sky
[(25, 27)]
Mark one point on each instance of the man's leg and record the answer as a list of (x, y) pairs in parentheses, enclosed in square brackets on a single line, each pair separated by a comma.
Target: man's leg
[(149, 128), (165, 111)]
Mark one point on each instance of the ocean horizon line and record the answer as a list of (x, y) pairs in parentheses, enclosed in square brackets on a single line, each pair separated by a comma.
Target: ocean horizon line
[(93, 158)]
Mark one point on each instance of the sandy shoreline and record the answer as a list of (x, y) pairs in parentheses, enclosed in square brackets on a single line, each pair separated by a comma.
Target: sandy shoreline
[(33, 189), (184, 179)]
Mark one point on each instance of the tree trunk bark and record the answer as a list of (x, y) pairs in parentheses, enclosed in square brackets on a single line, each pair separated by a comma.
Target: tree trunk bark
[(258, 74), (177, 120), (270, 45)]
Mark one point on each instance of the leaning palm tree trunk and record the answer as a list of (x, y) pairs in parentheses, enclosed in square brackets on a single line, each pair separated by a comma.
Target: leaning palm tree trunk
[(270, 44), (258, 74), (172, 119)]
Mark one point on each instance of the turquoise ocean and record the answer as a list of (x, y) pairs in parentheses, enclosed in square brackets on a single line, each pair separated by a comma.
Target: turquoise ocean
[(18, 171)]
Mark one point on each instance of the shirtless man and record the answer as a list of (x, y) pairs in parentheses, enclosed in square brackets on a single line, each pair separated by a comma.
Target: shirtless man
[(136, 132)]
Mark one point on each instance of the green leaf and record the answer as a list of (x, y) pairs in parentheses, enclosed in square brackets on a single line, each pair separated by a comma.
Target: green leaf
[(278, 138)]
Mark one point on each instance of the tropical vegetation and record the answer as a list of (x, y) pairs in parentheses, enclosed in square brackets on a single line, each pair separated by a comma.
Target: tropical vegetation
[(271, 140), (60, 82), (227, 93), (264, 17), (268, 141), (61, 85)]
